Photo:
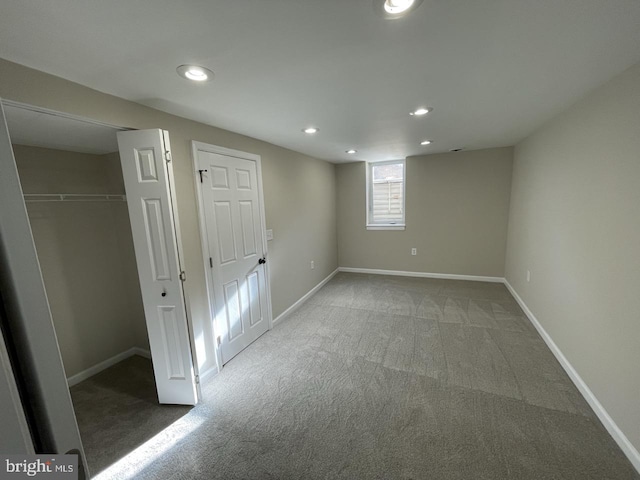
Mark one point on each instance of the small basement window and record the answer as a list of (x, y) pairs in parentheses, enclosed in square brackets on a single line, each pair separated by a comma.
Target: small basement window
[(386, 195)]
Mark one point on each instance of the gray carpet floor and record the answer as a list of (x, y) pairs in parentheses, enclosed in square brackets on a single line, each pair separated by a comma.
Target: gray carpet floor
[(117, 411), (379, 378)]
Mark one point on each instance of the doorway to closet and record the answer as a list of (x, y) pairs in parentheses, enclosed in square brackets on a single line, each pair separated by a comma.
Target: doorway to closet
[(74, 191)]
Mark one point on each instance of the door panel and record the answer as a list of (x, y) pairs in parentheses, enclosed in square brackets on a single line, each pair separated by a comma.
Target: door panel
[(148, 176), (233, 218), (233, 310), (147, 169), (253, 294), (28, 327), (247, 223), (226, 240), (156, 241), (171, 336)]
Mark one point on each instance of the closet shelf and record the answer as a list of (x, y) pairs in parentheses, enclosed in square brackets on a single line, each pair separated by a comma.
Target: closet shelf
[(73, 197)]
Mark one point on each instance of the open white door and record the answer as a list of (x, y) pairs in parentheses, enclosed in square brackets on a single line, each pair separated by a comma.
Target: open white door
[(28, 328), (148, 177), (232, 213)]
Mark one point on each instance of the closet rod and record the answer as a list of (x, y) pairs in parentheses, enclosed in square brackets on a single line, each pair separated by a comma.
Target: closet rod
[(73, 197)]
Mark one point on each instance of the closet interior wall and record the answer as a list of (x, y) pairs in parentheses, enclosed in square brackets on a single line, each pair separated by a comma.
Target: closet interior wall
[(86, 254)]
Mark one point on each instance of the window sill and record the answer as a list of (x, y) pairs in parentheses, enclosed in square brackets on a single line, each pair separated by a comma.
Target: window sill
[(385, 227)]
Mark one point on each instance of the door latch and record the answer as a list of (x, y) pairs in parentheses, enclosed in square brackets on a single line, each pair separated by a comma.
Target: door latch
[(263, 260), (183, 276)]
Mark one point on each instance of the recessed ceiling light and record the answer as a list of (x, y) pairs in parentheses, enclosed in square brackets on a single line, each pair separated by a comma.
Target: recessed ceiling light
[(311, 130), (421, 111), (351, 152), (395, 8), (425, 142), (195, 73)]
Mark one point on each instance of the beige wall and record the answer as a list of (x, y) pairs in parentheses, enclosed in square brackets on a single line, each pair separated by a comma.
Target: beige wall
[(86, 254), (457, 208), (308, 216), (300, 199), (575, 224)]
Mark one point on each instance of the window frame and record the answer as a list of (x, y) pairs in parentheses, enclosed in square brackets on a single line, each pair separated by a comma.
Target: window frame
[(370, 224)]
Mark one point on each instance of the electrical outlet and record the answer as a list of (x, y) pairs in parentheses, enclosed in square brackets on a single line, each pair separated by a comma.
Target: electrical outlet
[(528, 276), (313, 264), (414, 251)]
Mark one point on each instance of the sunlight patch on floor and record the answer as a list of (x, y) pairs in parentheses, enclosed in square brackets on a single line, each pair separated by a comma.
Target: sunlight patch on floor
[(134, 463)]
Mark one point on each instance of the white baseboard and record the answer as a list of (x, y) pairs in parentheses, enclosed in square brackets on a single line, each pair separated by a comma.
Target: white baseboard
[(621, 439), (304, 298), (91, 371), (212, 372), (142, 352), (445, 276)]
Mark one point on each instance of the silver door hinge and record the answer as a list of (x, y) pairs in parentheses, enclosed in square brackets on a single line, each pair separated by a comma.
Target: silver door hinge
[(167, 156), (183, 276), (219, 340), (197, 378)]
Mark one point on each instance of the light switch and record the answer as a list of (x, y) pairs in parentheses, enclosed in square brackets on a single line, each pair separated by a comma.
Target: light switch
[(269, 234)]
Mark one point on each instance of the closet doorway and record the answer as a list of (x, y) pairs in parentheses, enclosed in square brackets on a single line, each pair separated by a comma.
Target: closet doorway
[(74, 191)]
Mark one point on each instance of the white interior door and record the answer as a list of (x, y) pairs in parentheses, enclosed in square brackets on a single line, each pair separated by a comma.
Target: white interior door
[(29, 327), (148, 176), (233, 215)]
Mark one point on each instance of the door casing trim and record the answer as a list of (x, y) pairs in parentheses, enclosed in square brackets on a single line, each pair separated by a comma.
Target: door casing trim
[(197, 147)]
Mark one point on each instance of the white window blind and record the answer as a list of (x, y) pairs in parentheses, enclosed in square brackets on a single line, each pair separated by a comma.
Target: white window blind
[(386, 194)]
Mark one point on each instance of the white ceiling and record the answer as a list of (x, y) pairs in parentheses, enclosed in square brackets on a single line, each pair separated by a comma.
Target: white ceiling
[(42, 129), (494, 70)]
